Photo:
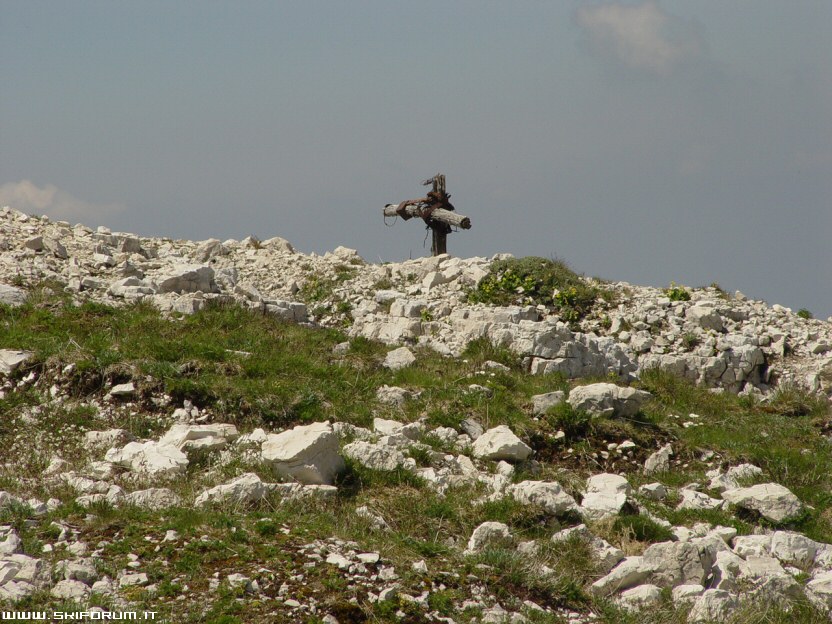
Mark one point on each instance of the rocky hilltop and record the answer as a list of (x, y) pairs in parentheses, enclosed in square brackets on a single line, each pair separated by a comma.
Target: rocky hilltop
[(233, 431), (714, 339)]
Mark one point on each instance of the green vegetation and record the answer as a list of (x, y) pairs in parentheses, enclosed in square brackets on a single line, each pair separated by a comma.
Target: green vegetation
[(677, 292), (533, 281), (804, 313), (257, 371)]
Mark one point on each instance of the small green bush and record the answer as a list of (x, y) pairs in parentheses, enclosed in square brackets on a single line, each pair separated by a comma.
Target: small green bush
[(804, 313), (534, 280), (677, 292)]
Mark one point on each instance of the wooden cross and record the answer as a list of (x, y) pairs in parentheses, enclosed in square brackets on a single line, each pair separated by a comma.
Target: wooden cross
[(435, 210)]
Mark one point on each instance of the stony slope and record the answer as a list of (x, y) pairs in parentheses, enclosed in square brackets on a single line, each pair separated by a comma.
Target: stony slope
[(715, 339), (243, 468)]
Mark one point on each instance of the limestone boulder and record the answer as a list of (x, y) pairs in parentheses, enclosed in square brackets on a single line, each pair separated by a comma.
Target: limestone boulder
[(188, 438), (12, 296), (713, 605), (399, 358), (149, 458), (772, 501), (547, 494), (12, 359), (541, 403), (630, 572), (501, 443), (490, 534), (679, 563), (605, 496), (606, 399), (243, 490), (307, 454), (659, 461), (153, 499), (377, 456), (185, 278)]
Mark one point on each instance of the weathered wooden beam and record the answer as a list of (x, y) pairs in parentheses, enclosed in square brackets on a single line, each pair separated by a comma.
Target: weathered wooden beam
[(440, 214)]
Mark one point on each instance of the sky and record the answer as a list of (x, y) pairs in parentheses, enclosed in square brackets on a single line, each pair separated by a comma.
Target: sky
[(648, 141)]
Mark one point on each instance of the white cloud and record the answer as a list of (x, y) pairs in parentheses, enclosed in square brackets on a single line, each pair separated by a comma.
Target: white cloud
[(27, 197), (641, 36)]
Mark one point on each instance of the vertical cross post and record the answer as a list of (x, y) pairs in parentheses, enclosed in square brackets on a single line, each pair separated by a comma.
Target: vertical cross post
[(439, 244)]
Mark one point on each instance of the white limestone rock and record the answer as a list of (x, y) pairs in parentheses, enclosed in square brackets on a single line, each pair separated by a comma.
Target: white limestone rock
[(123, 391), (377, 456), (489, 534), (542, 403), (131, 288), (399, 358), (245, 489), (547, 494), (704, 317), (748, 545), (153, 498), (185, 278), (12, 296), (630, 572), (149, 458), (307, 454), (606, 399), (188, 438), (691, 499), (501, 443), (605, 496), (771, 500), (385, 426), (11, 360), (819, 590), (71, 590), (659, 461), (686, 594), (679, 563), (714, 605), (794, 549), (730, 480), (640, 597)]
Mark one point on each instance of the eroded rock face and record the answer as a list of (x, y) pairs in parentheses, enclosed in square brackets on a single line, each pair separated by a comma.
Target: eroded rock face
[(307, 454)]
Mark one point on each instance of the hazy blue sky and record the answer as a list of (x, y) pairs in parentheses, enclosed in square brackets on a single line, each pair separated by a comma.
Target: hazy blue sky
[(644, 141)]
